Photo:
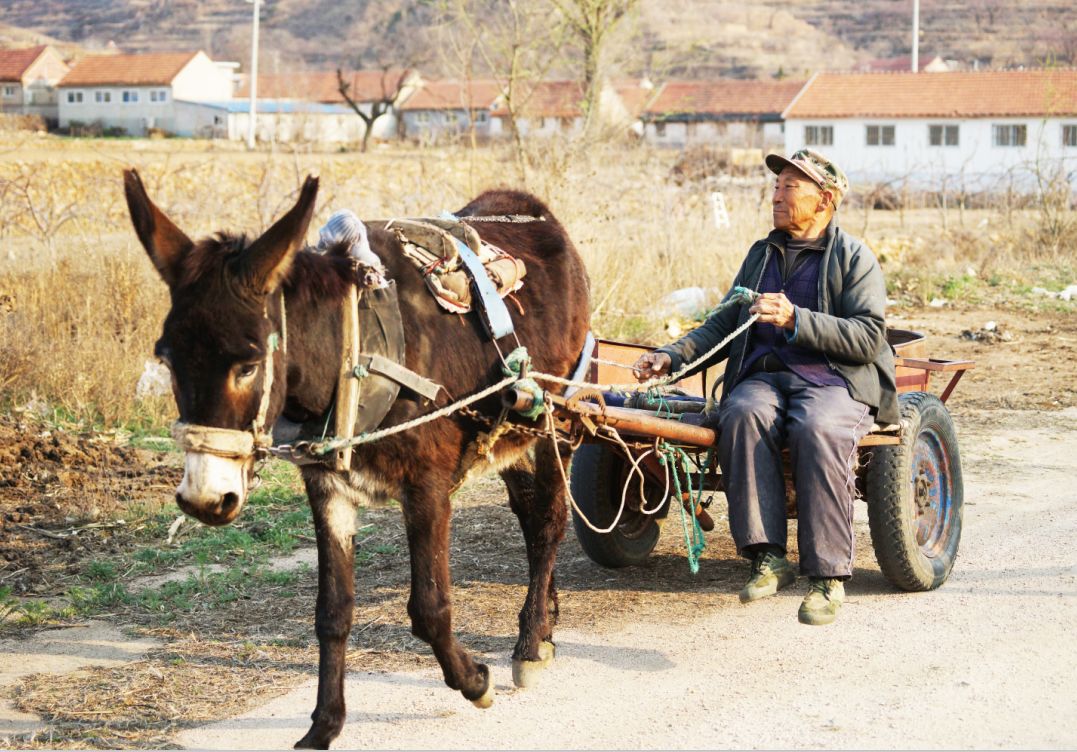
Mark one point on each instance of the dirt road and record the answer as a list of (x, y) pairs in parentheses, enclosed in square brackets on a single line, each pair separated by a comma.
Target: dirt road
[(986, 661)]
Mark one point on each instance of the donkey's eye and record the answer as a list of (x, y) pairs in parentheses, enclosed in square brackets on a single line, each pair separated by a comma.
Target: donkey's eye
[(246, 370)]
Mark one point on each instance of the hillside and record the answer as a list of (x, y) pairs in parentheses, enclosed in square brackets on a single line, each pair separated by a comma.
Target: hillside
[(668, 37)]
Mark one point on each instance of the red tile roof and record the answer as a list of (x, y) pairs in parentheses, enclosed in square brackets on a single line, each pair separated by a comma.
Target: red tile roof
[(550, 99), (726, 98), (954, 94), (452, 94), (153, 69), (635, 95), (322, 86), (13, 63)]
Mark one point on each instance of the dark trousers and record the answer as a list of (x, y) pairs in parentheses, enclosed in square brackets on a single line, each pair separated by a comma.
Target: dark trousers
[(821, 426)]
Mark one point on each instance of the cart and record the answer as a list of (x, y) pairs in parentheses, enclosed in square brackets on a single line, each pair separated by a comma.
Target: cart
[(909, 474)]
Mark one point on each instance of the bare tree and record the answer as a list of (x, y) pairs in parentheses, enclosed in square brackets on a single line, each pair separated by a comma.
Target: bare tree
[(391, 90), (592, 23), (516, 42)]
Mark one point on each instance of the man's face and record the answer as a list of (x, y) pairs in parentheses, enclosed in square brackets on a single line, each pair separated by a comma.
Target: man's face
[(797, 201)]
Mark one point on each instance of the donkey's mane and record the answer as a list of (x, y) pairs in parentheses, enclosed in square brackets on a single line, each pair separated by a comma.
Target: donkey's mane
[(313, 275)]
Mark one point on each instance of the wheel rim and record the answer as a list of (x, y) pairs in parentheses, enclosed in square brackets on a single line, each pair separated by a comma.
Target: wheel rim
[(932, 492)]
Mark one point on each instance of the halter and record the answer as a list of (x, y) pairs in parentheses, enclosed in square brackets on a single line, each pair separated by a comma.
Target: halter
[(234, 443)]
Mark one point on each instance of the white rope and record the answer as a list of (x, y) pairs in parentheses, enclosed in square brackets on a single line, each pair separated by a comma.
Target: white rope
[(650, 383), (366, 438)]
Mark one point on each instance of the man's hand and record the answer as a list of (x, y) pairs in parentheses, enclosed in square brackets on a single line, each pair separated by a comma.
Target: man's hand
[(651, 365), (774, 308)]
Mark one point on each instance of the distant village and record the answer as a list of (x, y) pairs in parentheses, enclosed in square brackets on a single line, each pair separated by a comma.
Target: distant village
[(936, 125)]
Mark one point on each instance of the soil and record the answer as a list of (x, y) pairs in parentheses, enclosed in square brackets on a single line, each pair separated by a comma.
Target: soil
[(64, 498)]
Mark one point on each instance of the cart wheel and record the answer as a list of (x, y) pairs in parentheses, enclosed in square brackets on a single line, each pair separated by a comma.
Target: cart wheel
[(598, 477), (914, 495)]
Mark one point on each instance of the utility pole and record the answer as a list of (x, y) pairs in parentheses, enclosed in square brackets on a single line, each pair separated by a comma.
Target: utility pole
[(915, 35), (251, 117)]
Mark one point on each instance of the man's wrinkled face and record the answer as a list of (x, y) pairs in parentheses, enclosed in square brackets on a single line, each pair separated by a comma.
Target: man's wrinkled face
[(797, 200)]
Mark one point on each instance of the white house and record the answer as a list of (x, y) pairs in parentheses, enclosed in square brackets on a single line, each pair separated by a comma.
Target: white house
[(28, 79), (449, 108), (313, 101), (974, 130), (722, 112), (277, 120), (138, 92)]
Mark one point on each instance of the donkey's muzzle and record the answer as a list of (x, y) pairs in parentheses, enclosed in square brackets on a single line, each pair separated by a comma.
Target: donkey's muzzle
[(219, 513)]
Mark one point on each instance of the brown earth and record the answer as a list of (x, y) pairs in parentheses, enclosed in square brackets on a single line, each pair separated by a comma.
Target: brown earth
[(64, 495)]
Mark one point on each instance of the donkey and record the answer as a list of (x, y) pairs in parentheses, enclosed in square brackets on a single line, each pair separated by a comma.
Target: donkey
[(227, 294)]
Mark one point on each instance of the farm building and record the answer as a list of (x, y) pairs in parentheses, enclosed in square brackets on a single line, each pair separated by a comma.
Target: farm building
[(742, 114), (551, 108), (137, 93), (976, 130), (447, 108), (28, 79), (316, 94)]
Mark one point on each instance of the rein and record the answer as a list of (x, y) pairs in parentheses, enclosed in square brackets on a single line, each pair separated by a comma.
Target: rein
[(256, 441)]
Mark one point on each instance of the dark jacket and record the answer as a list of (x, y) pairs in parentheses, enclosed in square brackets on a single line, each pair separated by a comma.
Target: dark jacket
[(848, 327)]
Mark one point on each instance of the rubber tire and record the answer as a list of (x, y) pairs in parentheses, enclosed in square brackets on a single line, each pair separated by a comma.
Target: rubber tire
[(596, 487), (890, 493)]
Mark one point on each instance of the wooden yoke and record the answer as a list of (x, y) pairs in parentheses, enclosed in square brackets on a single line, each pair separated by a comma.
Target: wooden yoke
[(347, 404)]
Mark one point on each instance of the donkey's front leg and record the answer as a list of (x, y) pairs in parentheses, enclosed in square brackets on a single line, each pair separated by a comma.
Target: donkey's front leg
[(536, 495), (427, 518), (334, 523)]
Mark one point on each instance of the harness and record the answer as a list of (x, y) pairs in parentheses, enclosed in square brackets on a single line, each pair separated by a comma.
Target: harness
[(444, 250)]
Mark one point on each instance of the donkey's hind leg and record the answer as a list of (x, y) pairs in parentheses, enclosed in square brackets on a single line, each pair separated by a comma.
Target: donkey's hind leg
[(536, 494), (427, 516), (332, 505)]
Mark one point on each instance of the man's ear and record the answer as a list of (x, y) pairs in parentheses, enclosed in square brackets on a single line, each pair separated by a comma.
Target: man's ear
[(165, 243), (826, 200), (270, 257)]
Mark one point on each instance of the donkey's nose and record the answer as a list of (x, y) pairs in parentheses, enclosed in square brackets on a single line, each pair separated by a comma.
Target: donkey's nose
[(216, 513)]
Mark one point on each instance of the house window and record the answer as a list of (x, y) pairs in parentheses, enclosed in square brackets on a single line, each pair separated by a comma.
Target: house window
[(660, 130), (422, 117), (9, 91), (880, 135), (1010, 135), (1069, 135), (818, 135), (482, 117), (102, 97), (130, 97), (158, 95), (74, 97), (943, 135)]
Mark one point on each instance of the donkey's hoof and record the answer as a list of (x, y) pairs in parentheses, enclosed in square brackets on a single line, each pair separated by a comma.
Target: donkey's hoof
[(525, 674), (487, 698)]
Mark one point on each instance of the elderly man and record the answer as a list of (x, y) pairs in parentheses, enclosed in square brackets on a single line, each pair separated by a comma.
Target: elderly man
[(811, 375)]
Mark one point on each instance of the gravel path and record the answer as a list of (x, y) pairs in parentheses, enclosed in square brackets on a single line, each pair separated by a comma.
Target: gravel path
[(986, 661)]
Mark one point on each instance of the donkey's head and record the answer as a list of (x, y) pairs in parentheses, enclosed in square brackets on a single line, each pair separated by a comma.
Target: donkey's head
[(223, 340)]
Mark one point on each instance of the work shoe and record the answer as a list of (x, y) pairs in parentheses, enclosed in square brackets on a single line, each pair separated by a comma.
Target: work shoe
[(823, 601), (770, 573)]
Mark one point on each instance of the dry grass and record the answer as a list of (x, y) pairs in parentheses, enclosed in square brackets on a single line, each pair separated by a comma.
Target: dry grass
[(80, 305)]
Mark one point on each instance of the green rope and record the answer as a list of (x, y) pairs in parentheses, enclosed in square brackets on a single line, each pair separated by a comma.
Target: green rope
[(670, 457)]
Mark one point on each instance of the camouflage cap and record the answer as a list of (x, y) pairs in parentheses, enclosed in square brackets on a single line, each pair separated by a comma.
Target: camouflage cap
[(816, 167)]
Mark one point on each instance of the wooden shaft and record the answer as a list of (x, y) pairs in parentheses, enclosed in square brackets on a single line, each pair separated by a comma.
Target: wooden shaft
[(639, 422), (347, 384)]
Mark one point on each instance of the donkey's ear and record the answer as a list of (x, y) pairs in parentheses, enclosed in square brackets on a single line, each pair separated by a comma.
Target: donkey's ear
[(164, 242), (269, 258)]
